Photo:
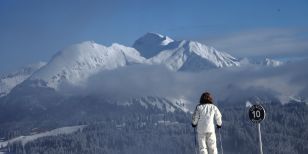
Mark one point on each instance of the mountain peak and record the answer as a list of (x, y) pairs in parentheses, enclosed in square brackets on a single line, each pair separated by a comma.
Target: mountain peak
[(77, 62), (163, 39), (151, 44), (193, 56)]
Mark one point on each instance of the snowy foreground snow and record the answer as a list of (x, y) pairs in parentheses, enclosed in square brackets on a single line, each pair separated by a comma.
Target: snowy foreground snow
[(26, 139)]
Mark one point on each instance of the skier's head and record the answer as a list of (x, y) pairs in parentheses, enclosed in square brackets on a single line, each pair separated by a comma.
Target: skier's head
[(206, 98)]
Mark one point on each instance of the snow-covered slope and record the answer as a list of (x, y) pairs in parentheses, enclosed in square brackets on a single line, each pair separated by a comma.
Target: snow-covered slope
[(8, 82), (79, 61), (26, 139), (191, 56), (164, 103)]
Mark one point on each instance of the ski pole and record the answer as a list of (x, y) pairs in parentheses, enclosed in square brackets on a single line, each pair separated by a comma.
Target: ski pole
[(222, 150)]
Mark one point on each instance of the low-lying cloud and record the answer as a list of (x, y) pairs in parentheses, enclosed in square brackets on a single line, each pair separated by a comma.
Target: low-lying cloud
[(234, 85)]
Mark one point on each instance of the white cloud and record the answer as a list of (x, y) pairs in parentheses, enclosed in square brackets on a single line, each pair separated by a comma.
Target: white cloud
[(266, 42), (234, 85)]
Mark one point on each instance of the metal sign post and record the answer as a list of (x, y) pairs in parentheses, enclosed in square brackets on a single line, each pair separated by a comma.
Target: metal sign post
[(256, 115), (260, 140)]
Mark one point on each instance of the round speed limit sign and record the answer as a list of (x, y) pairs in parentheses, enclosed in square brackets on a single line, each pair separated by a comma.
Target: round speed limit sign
[(256, 113)]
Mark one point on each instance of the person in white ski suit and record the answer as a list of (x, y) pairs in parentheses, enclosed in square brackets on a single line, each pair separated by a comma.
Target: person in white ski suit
[(203, 119)]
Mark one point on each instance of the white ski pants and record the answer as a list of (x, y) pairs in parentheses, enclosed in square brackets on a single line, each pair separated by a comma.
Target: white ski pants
[(207, 143)]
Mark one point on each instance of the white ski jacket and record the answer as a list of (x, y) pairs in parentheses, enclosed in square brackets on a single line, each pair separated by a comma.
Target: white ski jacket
[(204, 116)]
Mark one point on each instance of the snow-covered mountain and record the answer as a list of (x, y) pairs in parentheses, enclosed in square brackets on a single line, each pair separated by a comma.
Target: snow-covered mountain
[(182, 55), (77, 62), (8, 82)]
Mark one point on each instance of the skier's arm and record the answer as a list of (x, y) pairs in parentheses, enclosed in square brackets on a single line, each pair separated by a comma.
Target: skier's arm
[(195, 117), (218, 117)]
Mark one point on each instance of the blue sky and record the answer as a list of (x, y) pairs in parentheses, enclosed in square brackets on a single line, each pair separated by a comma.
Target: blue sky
[(34, 30)]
